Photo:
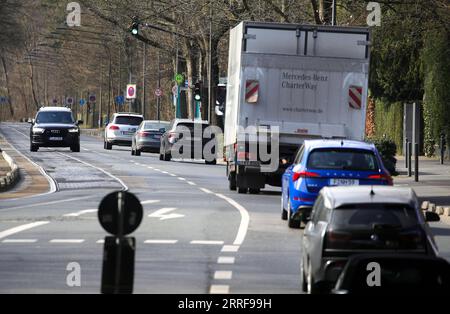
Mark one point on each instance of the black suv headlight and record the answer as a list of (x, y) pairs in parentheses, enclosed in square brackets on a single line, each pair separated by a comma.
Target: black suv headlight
[(38, 130), (74, 130)]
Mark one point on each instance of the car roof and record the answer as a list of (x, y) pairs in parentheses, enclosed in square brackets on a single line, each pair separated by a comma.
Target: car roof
[(191, 121), (338, 196), (130, 114), (156, 121), (314, 144), (62, 109)]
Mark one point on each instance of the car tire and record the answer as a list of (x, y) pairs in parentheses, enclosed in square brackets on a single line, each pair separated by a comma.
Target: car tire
[(284, 213), (232, 181), (304, 281), (167, 157), (137, 152), (132, 151), (161, 157), (108, 146), (292, 223), (75, 148), (311, 287), (254, 191), (34, 148)]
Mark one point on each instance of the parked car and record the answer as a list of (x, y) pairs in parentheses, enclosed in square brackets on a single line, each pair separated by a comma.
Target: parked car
[(399, 274), (121, 129), (362, 219), (195, 142), (55, 127), (321, 163), (148, 137)]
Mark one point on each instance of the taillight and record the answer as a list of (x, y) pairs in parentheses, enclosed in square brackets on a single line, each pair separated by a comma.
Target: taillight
[(304, 174), (144, 134), (412, 239), (337, 239), (172, 137), (383, 177), (114, 128)]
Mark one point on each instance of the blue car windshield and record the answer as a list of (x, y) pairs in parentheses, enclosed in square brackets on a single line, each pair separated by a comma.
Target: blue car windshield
[(342, 159), (63, 117)]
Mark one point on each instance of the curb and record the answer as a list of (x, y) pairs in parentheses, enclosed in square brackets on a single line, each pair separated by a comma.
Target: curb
[(12, 177)]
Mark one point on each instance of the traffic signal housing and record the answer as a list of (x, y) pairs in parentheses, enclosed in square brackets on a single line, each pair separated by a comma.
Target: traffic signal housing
[(134, 27), (198, 91)]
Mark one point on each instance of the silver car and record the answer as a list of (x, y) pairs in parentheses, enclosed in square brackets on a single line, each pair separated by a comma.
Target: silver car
[(121, 129), (361, 220), (148, 137)]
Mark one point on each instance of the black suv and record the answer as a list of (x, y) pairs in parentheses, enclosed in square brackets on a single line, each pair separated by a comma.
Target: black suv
[(55, 127)]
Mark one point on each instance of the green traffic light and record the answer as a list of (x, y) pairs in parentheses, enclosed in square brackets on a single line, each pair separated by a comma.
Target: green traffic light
[(134, 31), (198, 97)]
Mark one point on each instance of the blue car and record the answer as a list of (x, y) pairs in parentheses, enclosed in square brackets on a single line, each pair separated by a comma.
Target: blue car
[(321, 163)]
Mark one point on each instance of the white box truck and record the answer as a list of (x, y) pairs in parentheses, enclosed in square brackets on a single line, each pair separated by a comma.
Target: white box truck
[(309, 81)]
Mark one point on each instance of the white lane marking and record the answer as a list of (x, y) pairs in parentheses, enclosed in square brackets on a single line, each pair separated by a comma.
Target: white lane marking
[(18, 229), (172, 175), (219, 289), (100, 242), (162, 214), (125, 187), (81, 212), (165, 172), (19, 241), (67, 241), (52, 203), (182, 179), (230, 248), (223, 275), (160, 241), (206, 191), (207, 242), (150, 202), (51, 181), (157, 170), (191, 183), (85, 149), (225, 260), (245, 219), (150, 167)]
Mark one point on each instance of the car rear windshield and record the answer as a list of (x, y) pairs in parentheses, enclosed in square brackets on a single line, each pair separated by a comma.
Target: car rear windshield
[(372, 216), (63, 117), (129, 120), (343, 159), (155, 126)]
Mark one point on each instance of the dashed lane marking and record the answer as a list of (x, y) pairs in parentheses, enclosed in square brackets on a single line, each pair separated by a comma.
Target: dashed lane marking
[(150, 202), (219, 289), (19, 241), (67, 241), (160, 241), (225, 260), (18, 229), (230, 248), (223, 275), (207, 242), (81, 212)]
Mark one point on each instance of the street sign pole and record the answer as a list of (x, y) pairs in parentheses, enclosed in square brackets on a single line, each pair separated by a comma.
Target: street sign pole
[(120, 238)]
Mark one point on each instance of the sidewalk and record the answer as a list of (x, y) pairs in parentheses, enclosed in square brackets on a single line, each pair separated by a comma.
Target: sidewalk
[(434, 180)]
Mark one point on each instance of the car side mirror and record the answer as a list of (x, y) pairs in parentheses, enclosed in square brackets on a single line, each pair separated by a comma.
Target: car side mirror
[(31, 121), (432, 217), (80, 122)]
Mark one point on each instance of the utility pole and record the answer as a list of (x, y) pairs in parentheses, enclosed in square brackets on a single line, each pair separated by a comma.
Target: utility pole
[(210, 64), (143, 80), (333, 16), (100, 109), (158, 99)]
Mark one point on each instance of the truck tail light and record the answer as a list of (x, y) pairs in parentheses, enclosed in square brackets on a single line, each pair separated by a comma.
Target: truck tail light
[(304, 174)]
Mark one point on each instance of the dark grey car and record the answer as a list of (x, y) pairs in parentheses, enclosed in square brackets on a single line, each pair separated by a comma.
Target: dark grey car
[(148, 137), (361, 220)]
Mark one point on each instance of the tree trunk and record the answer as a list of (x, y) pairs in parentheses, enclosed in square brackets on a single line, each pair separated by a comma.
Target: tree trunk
[(33, 92), (11, 109)]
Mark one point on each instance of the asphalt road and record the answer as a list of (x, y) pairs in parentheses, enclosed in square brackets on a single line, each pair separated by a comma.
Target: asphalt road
[(196, 236)]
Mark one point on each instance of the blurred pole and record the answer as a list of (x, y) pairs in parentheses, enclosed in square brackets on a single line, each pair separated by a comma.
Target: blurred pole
[(406, 153), (416, 163), (100, 109), (143, 80), (210, 103), (442, 147), (158, 99), (409, 159), (333, 16)]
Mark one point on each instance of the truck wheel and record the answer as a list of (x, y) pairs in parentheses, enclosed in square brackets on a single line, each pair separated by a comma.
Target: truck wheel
[(232, 181), (242, 190), (292, 223)]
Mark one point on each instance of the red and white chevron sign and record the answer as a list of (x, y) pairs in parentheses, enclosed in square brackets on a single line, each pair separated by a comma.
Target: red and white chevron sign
[(355, 97), (251, 91)]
